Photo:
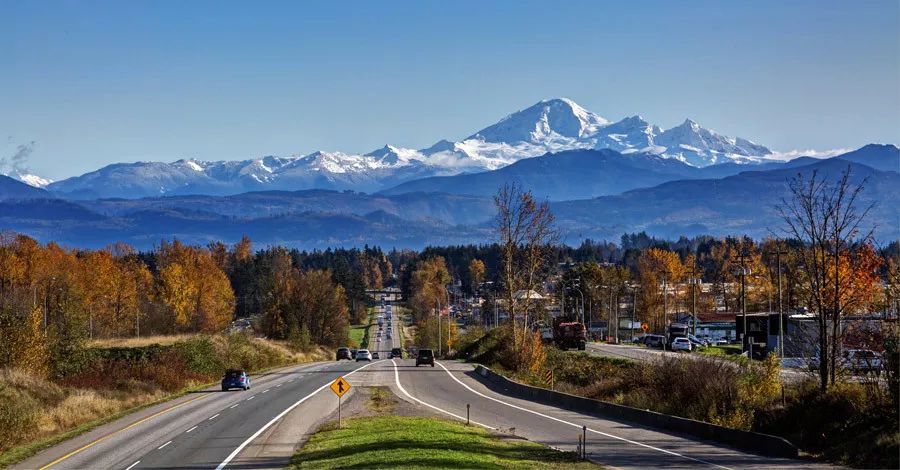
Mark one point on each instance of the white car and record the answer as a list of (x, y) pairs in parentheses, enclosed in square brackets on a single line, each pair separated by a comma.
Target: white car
[(679, 344), (363, 355)]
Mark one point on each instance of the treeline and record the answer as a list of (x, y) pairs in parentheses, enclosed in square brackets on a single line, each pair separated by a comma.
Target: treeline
[(53, 299), (647, 259)]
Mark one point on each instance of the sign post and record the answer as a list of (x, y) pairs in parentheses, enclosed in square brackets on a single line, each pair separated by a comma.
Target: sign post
[(340, 387)]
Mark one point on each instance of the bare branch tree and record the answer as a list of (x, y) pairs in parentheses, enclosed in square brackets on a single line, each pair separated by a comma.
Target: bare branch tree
[(526, 234), (827, 219)]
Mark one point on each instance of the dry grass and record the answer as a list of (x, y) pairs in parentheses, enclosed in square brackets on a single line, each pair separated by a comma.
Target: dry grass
[(34, 410), (164, 340)]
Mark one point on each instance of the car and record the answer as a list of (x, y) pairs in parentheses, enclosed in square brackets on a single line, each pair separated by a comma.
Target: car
[(353, 353), (862, 360), (856, 361), (363, 355), (378, 339), (375, 355), (389, 336), (681, 344), (343, 353), (396, 352), (697, 342), (425, 356), (655, 341), (235, 378)]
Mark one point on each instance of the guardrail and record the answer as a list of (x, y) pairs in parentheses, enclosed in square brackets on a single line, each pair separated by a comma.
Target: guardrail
[(764, 444)]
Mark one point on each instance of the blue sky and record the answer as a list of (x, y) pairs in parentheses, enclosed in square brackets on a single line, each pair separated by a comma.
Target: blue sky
[(96, 82)]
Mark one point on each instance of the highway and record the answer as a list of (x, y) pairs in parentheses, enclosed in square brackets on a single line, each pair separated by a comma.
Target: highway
[(639, 353), (260, 428)]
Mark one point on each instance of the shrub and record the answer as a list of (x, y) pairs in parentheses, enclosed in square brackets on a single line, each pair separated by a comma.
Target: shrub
[(18, 416)]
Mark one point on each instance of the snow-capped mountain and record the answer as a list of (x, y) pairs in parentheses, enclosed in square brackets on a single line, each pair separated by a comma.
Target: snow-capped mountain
[(30, 179), (549, 126)]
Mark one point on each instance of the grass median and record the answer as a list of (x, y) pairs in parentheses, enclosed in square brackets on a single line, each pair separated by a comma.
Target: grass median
[(399, 442)]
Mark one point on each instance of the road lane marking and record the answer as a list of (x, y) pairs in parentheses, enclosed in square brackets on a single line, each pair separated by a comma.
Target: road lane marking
[(287, 410), (189, 430), (251, 398), (160, 447), (234, 405), (397, 381), (132, 465), (278, 385), (89, 445), (213, 417), (577, 425), (266, 390)]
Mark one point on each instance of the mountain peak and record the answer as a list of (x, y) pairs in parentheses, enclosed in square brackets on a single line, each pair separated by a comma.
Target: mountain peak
[(547, 120)]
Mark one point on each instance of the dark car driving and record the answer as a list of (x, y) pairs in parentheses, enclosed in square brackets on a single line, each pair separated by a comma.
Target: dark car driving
[(425, 356), (343, 353), (397, 352), (235, 378)]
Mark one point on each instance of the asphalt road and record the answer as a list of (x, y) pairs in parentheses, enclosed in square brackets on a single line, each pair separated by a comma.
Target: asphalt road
[(450, 386), (261, 428), (638, 353), (211, 428)]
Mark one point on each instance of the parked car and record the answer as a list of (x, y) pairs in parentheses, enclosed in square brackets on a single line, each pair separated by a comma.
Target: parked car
[(655, 341), (857, 361), (363, 355), (681, 344), (343, 353), (235, 378), (697, 342), (425, 356), (863, 360), (396, 352)]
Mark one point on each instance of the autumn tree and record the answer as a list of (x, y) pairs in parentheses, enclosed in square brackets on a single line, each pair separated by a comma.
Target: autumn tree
[(827, 217), (193, 286), (658, 269), (429, 287), (526, 235), (476, 273)]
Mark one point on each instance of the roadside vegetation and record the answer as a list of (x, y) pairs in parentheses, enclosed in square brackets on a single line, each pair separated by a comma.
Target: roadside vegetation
[(399, 442), (102, 383), (90, 334), (853, 423)]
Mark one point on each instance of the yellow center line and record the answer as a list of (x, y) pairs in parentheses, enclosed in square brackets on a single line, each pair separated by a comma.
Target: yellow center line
[(87, 446)]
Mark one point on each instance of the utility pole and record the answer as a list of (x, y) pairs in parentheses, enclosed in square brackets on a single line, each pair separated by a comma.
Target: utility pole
[(743, 272), (781, 322), (665, 310), (439, 324), (633, 309)]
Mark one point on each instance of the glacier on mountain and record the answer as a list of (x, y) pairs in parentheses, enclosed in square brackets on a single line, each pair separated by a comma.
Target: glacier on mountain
[(549, 126)]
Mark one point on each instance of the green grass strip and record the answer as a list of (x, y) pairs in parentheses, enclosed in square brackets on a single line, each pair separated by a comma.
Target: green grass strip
[(399, 442)]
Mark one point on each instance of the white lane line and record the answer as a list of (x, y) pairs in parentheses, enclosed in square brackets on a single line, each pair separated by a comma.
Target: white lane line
[(234, 405), (278, 385), (189, 430), (251, 398), (397, 381), (132, 465), (577, 425), (267, 390), (213, 417), (287, 410), (160, 447)]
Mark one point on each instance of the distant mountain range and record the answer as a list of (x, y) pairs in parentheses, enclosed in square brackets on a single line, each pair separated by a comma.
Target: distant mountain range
[(664, 197), (550, 126)]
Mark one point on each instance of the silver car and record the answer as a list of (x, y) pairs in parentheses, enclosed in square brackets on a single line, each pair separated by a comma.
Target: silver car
[(363, 355)]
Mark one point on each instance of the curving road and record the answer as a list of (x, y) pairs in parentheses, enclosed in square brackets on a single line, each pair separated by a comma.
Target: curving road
[(260, 428)]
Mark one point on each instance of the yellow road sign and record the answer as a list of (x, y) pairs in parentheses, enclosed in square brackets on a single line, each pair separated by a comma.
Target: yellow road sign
[(340, 386), (645, 326)]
